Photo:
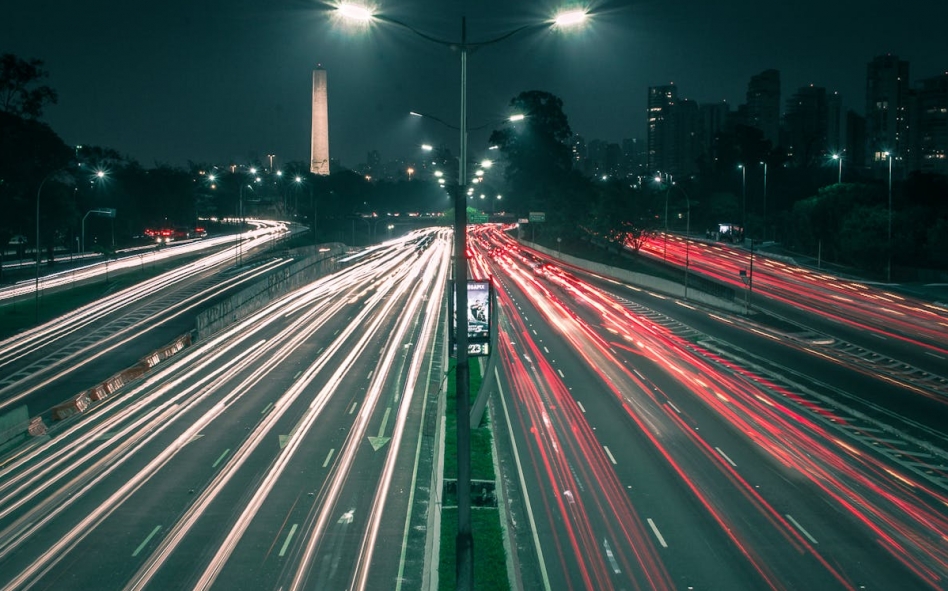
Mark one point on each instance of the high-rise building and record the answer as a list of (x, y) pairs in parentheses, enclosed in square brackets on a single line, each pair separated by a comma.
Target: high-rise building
[(690, 137), (714, 119), (931, 124), (763, 104), (662, 129), (887, 93), (319, 147), (812, 125), (855, 155), (633, 158)]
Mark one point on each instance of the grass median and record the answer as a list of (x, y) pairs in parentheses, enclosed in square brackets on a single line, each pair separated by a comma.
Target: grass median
[(490, 561)]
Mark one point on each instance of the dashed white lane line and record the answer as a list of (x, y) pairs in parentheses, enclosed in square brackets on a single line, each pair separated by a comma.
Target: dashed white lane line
[(800, 527), (609, 453), (581, 407), (289, 536), (724, 455), (658, 534)]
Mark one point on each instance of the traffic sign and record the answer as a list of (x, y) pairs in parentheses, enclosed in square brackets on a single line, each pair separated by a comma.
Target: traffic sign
[(537, 216)]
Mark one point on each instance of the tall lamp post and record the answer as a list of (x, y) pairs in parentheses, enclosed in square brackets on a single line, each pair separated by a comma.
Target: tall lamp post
[(888, 266), (464, 542), (839, 176), (39, 192), (658, 179), (743, 200), (764, 163)]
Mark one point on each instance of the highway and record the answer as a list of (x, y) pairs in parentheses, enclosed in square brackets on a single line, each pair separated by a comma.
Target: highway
[(282, 453), (645, 442), (45, 365), (655, 444)]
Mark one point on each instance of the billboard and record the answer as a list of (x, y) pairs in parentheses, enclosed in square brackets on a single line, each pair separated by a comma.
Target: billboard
[(479, 314)]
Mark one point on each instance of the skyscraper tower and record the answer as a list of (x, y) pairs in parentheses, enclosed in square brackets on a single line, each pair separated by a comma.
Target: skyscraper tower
[(763, 104), (319, 153), (662, 129), (887, 90)]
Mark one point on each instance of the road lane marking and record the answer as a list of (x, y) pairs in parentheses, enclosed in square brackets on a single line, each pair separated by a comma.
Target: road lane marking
[(658, 534), (934, 355), (329, 457), (609, 453), (560, 371), (222, 456), (724, 455), (266, 408), (878, 336), (145, 542), (286, 543), (612, 559), (581, 407), (380, 440), (800, 527), (546, 350), (352, 410), (298, 374), (671, 404), (544, 575)]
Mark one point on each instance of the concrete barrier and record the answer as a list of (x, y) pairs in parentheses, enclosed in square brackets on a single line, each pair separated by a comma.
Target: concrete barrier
[(317, 262), (664, 286)]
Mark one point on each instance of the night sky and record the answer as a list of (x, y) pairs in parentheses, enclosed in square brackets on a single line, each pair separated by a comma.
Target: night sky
[(229, 81)]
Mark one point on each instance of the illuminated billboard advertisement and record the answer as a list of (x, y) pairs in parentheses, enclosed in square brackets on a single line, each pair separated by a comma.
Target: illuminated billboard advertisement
[(478, 318)]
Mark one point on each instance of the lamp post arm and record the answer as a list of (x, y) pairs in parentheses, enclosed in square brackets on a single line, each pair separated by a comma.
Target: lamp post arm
[(463, 45), (422, 34)]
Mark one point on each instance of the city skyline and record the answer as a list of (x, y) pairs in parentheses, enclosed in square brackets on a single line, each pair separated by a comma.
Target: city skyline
[(211, 85)]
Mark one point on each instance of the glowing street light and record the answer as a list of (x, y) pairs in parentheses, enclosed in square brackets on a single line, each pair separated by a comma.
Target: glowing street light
[(839, 178), (570, 18), (355, 12)]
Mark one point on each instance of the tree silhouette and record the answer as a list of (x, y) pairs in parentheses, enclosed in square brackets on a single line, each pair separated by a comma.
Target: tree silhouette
[(19, 93)]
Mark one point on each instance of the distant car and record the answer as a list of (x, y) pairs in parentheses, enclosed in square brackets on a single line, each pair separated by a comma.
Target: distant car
[(18, 239)]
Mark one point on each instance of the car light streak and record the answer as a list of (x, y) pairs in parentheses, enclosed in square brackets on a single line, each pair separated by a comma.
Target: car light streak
[(361, 324), (895, 508), (237, 330), (854, 304), (87, 355)]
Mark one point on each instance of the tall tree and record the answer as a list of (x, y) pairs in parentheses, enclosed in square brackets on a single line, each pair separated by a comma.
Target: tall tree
[(20, 91), (535, 148)]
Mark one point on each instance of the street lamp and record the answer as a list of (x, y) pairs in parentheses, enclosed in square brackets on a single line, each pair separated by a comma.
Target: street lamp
[(658, 179), (839, 177), (888, 266), (39, 193), (765, 200), (464, 545), (743, 199)]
